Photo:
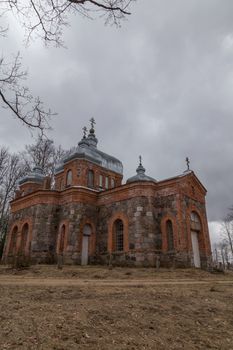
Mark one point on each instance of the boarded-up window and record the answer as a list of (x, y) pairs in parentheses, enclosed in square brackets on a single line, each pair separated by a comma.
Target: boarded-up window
[(90, 179), (195, 221), (69, 178)]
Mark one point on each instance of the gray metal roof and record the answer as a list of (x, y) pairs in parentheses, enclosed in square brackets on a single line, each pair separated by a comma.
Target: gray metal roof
[(87, 149), (35, 176), (141, 176)]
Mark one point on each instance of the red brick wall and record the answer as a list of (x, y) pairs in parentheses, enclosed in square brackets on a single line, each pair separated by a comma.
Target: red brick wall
[(80, 169)]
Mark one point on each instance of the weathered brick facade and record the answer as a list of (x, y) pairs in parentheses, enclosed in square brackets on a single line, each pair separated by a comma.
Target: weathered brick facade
[(90, 217)]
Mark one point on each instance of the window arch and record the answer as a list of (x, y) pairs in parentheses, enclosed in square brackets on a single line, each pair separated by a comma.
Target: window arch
[(90, 178), (87, 230), (170, 236), (118, 231), (69, 178), (195, 221), (12, 247), (88, 233), (24, 238), (118, 235)]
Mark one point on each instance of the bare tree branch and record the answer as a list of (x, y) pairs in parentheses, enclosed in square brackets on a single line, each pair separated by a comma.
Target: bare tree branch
[(18, 99), (47, 18), (12, 168), (44, 154)]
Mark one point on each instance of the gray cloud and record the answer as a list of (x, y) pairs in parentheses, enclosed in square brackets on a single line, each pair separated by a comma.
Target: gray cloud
[(160, 86)]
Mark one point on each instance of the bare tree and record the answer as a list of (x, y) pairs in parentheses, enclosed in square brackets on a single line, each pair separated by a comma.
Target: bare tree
[(18, 99), (3, 161), (12, 169), (215, 254), (47, 18), (44, 154), (227, 231), (224, 248), (14, 95)]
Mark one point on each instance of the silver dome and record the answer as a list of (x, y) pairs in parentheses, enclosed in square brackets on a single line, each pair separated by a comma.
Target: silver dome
[(87, 149), (141, 176), (35, 176)]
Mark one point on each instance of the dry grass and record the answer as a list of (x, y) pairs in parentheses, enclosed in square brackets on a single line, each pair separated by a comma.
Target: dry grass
[(97, 308)]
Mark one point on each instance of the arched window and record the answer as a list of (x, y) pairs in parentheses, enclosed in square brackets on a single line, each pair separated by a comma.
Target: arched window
[(195, 221), (90, 178), (169, 231), (24, 237), (69, 178), (119, 235), (87, 230), (61, 243), (100, 181), (12, 248)]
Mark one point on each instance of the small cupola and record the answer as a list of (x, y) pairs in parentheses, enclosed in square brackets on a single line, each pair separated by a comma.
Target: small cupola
[(32, 182), (36, 176), (141, 174)]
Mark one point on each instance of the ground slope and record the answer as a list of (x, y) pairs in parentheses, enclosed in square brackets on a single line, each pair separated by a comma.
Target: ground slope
[(97, 308)]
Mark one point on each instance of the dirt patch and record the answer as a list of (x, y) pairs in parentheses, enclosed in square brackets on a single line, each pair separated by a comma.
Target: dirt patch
[(112, 309)]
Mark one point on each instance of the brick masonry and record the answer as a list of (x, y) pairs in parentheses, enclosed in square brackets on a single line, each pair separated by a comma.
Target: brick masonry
[(143, 208)]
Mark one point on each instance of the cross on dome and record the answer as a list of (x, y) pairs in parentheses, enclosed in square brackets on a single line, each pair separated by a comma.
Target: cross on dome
[(140, 160), (92, 120), (84, 132), (187, 162)]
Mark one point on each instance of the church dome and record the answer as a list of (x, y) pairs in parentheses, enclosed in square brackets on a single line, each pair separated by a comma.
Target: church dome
[(87, 149), (35, 176), (141, 176)]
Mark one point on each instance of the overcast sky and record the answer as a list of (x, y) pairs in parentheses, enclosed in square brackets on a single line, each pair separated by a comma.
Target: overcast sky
[(160, 86)]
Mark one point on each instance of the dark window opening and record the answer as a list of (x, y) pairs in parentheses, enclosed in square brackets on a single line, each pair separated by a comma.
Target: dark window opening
[(119, 235)]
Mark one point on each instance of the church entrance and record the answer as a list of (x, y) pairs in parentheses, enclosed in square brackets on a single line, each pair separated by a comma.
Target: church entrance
[(195, 235), (87, 230), (196, 253)]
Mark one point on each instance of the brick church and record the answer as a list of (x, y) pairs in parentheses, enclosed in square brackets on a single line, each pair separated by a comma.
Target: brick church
[(89, 217)]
